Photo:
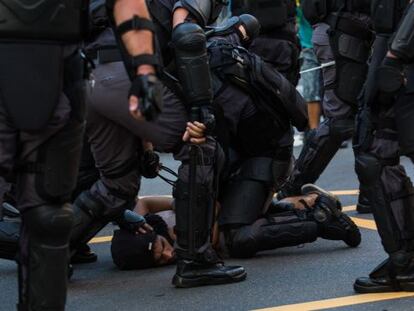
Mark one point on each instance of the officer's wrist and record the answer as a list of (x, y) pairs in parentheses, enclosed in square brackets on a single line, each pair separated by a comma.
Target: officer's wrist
[(393, 61), (145, 70)]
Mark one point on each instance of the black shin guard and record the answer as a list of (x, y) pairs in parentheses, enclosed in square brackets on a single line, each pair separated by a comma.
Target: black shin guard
[(316, 154), (44, 258), (201, 219), (90, 217), (369, 169)]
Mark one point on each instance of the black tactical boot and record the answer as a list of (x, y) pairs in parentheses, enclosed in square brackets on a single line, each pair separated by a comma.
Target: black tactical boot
[(363, 206), (207, 270), (332, 223), (311, 188), (393, 274), (83, 254)]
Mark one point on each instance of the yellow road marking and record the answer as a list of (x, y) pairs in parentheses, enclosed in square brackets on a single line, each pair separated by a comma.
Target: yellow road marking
[(340, 302), (101, 239), (349, 208), (365, 223), (345, 192)]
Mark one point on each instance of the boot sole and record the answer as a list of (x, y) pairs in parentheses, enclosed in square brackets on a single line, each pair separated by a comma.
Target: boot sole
[(407, 287), (363, 209), (374, 289), (181, 282)]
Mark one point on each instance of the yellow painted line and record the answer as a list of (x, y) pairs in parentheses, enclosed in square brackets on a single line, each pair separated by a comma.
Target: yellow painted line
[(365, 223), (101, 239), (349, 208), (345, 192), (340, 302)]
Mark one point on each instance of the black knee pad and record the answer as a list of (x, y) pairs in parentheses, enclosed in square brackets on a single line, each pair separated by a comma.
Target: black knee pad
[(341, 129), (90, 216), (58, 163), (244, 197), (50, 224), (368, 168)]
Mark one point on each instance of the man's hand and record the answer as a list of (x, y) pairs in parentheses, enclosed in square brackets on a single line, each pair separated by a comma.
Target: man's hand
[(195, 133), (145, 97), (144, 229)]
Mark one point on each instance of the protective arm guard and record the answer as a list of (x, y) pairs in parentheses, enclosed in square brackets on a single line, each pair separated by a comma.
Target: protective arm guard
[(191, 59), (403, 43), (135, 23), (147, 88)]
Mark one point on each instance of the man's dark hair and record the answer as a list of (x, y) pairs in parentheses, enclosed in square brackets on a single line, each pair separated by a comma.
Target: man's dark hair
[(134, 251)]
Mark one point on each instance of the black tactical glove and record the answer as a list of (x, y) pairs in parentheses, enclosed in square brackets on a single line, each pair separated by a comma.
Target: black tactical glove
[(150, 164), (148, 89)]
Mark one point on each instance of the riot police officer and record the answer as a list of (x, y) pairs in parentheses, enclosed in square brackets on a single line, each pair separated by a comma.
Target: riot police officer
[(342, 34), (41, 132), (384, 132), (176, 25)]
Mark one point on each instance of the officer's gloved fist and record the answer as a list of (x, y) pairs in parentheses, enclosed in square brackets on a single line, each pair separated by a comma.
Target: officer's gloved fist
[(391, 75), (134, 222), (150, 164), (145, 97)]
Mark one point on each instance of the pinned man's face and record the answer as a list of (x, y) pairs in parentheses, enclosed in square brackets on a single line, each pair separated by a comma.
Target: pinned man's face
[(163, 252)]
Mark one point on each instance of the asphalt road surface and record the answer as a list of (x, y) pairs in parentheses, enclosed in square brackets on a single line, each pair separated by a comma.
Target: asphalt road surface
[(311, 277)]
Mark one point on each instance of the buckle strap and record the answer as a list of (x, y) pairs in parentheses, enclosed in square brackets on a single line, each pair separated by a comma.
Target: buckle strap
[(135, 23), (144, 59)]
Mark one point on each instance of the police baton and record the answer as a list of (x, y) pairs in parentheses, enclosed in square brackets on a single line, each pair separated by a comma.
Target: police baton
[(192, 191), (324, 65)]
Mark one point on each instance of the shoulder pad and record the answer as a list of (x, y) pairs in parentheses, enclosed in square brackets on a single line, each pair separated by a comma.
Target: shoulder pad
[(200, 9)]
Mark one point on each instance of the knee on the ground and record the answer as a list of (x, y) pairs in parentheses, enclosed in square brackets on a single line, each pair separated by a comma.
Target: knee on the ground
[(241, 242)]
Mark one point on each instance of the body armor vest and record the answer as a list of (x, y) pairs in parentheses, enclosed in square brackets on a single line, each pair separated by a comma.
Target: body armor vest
[(270, 13), (316, 11), (386, 14), (43, 20)]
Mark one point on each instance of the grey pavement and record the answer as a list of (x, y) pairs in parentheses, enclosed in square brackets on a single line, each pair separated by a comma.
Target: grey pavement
[(318, 271)]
